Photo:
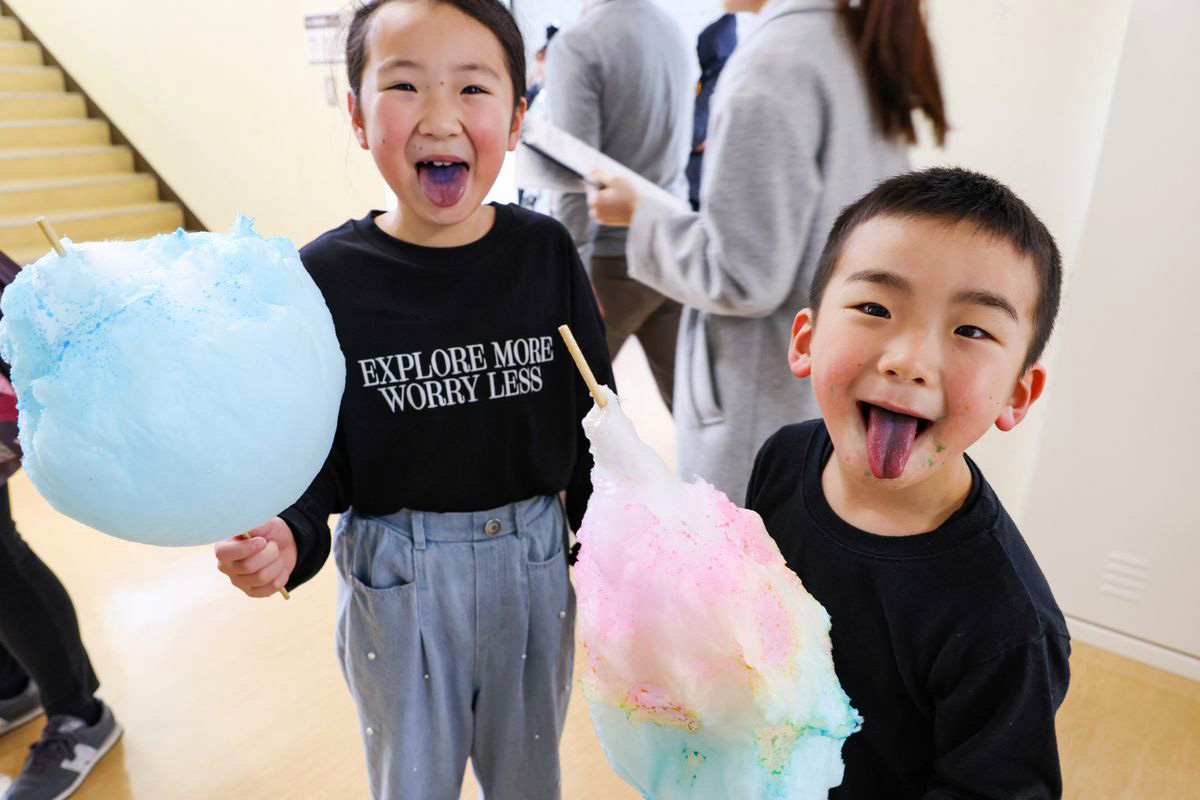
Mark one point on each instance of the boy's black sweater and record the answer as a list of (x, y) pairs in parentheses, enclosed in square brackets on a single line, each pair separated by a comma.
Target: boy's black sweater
[(460, 394), (949, 643)]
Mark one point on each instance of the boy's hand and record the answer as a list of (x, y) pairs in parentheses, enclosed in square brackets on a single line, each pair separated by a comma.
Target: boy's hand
[(262, 564)]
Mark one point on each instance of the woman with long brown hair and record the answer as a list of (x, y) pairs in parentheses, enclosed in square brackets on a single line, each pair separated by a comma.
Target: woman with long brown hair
[(814, 108)]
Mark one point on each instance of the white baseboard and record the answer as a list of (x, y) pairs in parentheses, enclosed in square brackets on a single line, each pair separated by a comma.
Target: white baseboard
[(1137, 649)]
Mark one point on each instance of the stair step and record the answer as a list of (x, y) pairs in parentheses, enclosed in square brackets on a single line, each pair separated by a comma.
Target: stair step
[(26, 134), (65, 162), (31, 79), (16, 53), (10, 29), (98, 191), (42, 105), (26, 255), (19, 233)]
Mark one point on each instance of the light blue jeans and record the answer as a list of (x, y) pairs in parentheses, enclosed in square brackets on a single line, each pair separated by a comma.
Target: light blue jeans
[(455, 633)]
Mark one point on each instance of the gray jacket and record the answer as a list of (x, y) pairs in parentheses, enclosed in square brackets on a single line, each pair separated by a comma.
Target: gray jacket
[(622, 79), (792, 140)]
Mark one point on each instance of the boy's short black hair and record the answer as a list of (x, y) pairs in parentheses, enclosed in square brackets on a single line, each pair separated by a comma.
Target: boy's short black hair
[(957, 195)]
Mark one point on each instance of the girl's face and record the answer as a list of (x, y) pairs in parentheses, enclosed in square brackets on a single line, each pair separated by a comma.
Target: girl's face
[(436, 111)]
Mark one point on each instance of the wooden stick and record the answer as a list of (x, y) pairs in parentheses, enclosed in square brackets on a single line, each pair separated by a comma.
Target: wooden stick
[(48, 229), (282, 591), (581, 363)]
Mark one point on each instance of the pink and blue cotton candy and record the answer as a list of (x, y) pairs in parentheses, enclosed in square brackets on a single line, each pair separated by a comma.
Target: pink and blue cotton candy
[(175, 390), (709, 672)]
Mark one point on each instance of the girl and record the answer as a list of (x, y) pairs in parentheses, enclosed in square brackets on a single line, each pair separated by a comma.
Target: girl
[(459, 424), (813, 109)]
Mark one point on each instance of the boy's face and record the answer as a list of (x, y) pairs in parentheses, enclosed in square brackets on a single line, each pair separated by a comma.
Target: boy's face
[(922, 335)]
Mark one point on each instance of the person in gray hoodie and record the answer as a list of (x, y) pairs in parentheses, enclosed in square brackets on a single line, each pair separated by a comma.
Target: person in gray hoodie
[(622, 79), (813, 109)]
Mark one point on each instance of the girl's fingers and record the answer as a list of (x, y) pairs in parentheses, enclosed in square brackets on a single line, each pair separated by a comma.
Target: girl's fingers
[(230, 550), (262, 559), (268, 579)]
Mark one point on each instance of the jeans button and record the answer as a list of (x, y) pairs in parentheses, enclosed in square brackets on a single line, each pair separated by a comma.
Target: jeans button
[(492, 527)]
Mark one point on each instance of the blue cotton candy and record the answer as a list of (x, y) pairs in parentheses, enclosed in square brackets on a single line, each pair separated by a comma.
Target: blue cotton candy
[(176, 390)]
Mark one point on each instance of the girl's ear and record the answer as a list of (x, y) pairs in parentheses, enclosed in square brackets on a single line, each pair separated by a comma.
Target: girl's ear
[(356, 120), (514, 133), (1028, 389), (800, 348)]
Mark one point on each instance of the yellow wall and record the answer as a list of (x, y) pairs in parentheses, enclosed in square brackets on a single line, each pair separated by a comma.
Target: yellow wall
[(219, 97)]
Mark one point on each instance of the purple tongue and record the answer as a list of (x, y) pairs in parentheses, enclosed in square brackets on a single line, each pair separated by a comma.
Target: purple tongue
[(444, 186), (890, 439)]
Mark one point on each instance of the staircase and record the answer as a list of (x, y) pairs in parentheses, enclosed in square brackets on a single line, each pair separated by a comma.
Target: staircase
[(56, 161)]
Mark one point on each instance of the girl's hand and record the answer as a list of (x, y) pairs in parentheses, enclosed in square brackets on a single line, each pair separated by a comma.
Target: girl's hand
[(262, 564), (613, 204)]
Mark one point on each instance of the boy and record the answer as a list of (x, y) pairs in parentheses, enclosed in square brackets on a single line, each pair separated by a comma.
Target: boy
[(931, 304)]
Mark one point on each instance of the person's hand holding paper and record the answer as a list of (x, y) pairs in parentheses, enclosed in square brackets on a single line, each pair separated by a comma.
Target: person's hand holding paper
[(613, 201)]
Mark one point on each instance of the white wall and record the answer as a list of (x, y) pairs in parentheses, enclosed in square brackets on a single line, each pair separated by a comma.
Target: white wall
[(1027, 85), (1111, 512)]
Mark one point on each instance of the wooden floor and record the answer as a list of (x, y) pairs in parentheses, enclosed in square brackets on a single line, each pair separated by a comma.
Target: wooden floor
[(226, 697)]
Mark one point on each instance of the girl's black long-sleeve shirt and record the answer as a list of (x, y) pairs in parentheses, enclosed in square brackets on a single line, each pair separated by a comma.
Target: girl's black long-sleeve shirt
[(460, 394), (949, 643)]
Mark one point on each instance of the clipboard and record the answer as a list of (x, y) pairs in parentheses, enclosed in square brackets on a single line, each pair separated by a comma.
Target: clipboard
[(580, 160)]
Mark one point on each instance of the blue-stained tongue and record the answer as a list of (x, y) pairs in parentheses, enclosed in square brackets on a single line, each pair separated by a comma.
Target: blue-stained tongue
[(444, 186), (890, 439)]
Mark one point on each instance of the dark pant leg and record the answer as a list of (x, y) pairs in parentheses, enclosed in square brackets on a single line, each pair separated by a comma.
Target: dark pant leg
[(39, 633), (633, 309), (658, 336)]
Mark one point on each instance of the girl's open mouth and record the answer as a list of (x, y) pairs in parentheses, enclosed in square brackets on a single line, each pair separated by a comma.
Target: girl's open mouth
[(444, 182), (890, 438)]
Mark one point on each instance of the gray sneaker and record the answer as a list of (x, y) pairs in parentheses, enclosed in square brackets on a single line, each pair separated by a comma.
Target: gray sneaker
[(64, 756), (16, 711)]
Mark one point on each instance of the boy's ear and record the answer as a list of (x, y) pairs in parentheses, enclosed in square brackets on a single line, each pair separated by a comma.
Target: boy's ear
[(800, 348), (1028, 389), (356, 120), (514, 133)]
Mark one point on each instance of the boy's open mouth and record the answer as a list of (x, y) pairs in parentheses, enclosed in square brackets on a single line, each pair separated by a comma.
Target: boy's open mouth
[(444, 182), (890, 438)]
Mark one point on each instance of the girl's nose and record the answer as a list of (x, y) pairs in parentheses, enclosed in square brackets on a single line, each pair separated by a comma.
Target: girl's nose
[(440, 120)]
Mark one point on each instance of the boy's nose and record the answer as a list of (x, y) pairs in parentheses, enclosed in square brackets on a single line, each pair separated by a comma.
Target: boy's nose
[(909, 360)]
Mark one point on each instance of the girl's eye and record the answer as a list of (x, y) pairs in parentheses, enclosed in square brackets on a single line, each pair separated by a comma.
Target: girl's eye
[(971, 332), (403, 86), (475, 90), (874, 310)]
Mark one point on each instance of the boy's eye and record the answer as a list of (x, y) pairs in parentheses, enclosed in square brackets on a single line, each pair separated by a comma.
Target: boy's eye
[(474, 90), (874, 310), (971, 332), (403, 86)]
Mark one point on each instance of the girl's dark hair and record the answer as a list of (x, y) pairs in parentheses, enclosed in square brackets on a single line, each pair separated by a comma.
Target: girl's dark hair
[(895, 52), (957, 195), (491, 13)]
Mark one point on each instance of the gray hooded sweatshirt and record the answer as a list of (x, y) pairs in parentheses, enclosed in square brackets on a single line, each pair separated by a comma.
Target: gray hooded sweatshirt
[(792, 141)]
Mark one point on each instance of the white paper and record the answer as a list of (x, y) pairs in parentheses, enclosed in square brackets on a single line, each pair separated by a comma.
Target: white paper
[(535, 171), (584, 160)]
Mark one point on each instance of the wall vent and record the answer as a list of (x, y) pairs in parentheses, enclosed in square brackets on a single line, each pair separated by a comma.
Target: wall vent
[(1125, 576)]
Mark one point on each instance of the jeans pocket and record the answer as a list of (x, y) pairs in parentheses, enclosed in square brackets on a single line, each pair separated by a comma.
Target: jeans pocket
[(545, 534), (377, 557)]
